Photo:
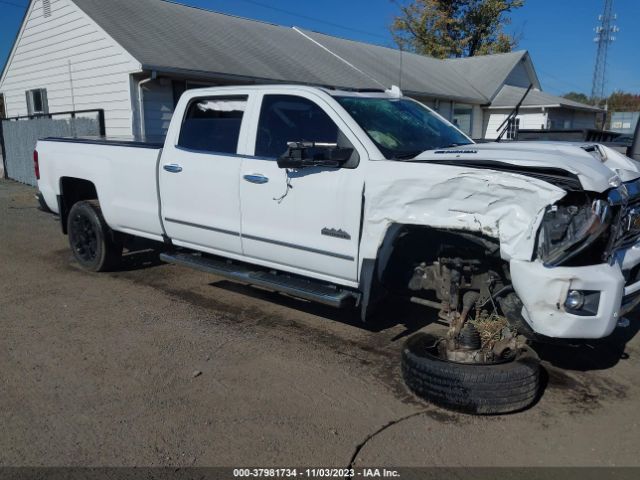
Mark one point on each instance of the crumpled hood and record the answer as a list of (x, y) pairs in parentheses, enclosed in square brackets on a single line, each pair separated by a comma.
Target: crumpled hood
[(594, 165)]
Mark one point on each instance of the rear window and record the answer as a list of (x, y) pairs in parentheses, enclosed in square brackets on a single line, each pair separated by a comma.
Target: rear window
[(213, 124)]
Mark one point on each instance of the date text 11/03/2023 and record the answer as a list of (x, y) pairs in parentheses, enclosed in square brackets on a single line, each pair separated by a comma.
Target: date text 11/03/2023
[(315, 473)]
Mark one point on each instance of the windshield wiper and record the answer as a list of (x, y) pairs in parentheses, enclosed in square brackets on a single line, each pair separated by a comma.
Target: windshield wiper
[(451, 145), (407, 155)]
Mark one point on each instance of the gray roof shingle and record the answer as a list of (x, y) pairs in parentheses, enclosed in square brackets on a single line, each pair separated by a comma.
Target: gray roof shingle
[(420, 74), (488, 72), (162, 34), (168, 36)]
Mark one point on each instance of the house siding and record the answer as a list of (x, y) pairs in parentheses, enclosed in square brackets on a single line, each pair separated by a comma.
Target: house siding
[(534, 120), (477, 118), (158, 106), (560, 118), (78, 63), (519, 76)]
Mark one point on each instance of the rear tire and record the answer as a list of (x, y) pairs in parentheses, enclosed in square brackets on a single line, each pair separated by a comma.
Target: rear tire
[(91, 239), (472, 388)]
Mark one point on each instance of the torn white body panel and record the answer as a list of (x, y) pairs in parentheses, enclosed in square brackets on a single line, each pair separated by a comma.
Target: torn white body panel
[(626, 168), (543, 292), (510, 208), (504, 206)]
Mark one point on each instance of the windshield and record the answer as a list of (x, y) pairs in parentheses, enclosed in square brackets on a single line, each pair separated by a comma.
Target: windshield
[(401, 128)]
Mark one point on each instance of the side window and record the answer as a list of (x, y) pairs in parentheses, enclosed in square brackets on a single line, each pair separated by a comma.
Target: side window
[(212, 124), (512, 128), (3, 108), (37, 103), (286, 118)]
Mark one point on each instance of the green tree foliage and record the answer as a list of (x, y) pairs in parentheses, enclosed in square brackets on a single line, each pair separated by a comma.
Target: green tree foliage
[(454, 28), (578, 97), (620, 101)]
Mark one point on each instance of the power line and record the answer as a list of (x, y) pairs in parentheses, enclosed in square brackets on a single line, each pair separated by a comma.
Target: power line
[(13, 4), (561, 80), (313, 19)]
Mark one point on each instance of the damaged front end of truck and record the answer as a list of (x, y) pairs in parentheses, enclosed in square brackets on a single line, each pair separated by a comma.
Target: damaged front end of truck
[(505, 253)]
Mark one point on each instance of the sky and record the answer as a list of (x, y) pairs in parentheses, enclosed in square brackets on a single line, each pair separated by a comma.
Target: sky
[(557, 33)]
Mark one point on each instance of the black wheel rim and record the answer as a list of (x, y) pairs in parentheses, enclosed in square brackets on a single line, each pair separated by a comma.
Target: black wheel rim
[(85, 238)]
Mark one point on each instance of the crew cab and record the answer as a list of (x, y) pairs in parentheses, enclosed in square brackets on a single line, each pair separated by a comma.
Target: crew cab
[(343, 197)]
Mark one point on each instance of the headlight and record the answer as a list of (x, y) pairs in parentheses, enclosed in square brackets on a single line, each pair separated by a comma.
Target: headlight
[(568, 230)]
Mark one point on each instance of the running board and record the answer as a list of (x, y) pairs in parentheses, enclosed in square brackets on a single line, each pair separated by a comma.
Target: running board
[(295, 286)]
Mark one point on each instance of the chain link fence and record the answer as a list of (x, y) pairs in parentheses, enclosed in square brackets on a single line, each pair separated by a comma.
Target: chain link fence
[(19, 136)]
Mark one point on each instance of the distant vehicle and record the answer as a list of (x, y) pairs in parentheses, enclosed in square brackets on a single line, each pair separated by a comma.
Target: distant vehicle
[(342, 197)]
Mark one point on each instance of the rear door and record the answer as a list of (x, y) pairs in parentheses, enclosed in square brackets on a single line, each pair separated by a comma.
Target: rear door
[(199, 175), (305, 221)]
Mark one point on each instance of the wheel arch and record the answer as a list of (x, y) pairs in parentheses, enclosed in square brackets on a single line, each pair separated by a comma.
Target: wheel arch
[(405, 244), (72, 191)]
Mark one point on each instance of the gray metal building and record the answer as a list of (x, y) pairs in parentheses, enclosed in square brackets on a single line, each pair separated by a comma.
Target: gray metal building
[(624, 122)]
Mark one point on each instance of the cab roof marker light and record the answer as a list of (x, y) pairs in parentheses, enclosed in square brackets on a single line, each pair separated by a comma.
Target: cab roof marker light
[(394, 91)]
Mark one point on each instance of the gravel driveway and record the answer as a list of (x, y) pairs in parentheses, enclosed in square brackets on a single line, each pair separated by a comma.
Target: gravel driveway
[(156, 365)]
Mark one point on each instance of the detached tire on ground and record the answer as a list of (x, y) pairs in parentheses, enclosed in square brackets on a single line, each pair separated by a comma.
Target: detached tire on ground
[(91, 239), (472, 388)]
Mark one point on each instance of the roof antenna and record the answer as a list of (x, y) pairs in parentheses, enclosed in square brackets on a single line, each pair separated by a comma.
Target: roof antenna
[(401, 66), (396, 91)]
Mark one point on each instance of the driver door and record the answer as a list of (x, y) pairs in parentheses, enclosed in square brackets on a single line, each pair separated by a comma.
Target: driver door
[(304, 221)]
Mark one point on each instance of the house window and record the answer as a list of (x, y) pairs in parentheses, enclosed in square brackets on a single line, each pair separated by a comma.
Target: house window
[(37, 103), (3, 107), (512, 128), (462, 115)]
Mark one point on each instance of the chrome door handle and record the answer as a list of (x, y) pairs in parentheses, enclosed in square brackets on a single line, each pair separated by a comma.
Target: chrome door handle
[(173, 168), (256, 178)]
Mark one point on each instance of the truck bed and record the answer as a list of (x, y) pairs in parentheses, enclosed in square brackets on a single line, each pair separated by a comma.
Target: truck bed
[(122, 170)]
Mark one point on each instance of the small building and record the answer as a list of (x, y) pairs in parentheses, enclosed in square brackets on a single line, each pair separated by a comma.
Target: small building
[(133, 59), (624, 122)]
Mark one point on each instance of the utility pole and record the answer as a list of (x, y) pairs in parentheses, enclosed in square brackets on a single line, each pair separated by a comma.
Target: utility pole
[(605, 36)]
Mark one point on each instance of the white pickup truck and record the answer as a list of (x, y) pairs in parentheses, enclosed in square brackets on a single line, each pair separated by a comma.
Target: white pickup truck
[(343, 197)]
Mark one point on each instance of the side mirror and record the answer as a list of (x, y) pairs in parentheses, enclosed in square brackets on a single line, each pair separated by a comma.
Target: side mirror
[(312, 154)]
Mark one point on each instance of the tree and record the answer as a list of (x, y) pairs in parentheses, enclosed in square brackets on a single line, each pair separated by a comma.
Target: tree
[(578, 97), (455, 28), (620, 101)]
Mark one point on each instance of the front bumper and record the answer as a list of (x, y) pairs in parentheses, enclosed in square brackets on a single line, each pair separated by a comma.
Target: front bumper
[(543, 292)]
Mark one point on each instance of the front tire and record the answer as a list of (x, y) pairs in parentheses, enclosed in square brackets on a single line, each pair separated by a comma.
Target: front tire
[(91, 239), (472, 388)]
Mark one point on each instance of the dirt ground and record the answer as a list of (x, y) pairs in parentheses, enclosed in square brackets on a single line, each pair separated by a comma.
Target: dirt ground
[(157, 365)]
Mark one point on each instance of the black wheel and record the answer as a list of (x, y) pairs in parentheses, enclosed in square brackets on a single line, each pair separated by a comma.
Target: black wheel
[(90, 238), (473, 388)]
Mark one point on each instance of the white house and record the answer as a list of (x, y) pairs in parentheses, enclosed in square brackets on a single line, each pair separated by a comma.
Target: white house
[(135, 58)]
